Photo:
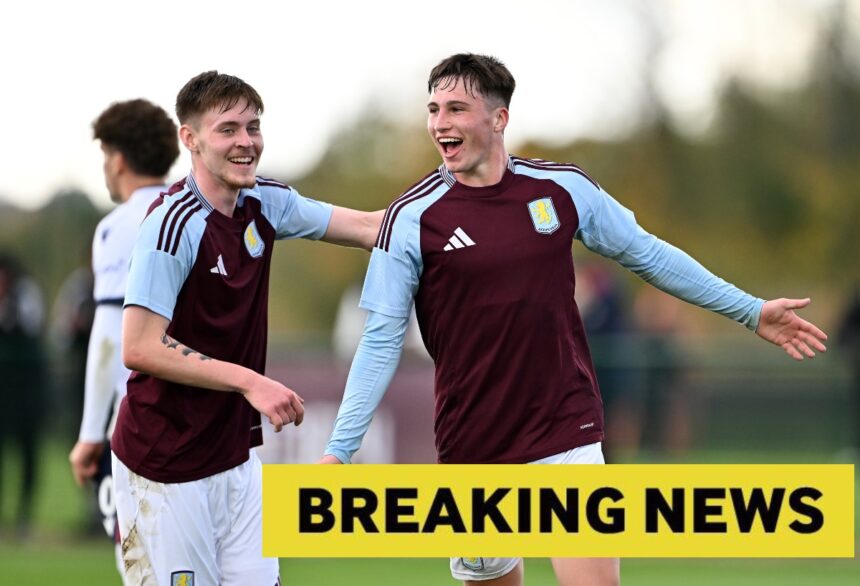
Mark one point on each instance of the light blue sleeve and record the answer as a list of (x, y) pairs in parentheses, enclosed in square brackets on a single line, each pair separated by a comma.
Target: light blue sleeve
[(155, 276), (674, 271), (390, 284), (392, 277), (293, 215), (389, 289), (373, 367), (609, 229)]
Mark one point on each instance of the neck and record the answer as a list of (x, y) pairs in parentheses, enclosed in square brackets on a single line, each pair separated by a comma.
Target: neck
[(222, 197), (490, 172)]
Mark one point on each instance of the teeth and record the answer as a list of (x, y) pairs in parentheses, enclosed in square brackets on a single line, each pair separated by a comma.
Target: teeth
[(450, 140), (244, 160)]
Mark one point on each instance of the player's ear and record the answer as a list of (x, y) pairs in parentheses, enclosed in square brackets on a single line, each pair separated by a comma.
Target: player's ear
[(114, 160), (501, 119), (188, 137), (119, 162)]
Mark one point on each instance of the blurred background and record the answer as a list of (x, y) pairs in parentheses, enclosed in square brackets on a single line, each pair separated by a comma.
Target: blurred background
[(731, 128)]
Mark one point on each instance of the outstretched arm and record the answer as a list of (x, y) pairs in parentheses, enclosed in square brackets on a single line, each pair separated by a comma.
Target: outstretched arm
[(146, 347), (350, 227), (780, 325), (611, 230), (675, 272)]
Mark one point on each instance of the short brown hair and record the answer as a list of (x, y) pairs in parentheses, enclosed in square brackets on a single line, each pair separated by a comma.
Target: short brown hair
[(214, 90), (483, 73), (142, 132)]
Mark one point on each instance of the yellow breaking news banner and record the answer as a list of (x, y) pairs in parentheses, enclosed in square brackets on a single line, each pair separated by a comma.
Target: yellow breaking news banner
[(558, 511)]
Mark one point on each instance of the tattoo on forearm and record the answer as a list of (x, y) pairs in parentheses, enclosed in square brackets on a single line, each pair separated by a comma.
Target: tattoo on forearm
[(186, 351), (168, 341)]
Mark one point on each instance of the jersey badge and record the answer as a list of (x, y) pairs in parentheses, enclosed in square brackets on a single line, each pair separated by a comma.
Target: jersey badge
[(474, 564), (543, 215), (253, 242), (184, 578)]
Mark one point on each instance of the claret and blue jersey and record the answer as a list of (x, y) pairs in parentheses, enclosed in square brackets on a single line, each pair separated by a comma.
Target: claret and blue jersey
[(490, 271), (514, 380), (208, 274)]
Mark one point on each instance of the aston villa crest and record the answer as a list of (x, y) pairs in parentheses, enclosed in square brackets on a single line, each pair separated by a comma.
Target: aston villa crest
[(185, 578), (543, 215), (253, 242)]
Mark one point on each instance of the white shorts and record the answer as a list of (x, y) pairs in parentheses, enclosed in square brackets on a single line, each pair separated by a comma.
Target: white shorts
[(489, 568), (207, 532)]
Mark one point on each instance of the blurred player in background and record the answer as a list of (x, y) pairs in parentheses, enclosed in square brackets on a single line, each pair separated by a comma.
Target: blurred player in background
[(188, 482), (140, 145), (22, 392), (482, 245)]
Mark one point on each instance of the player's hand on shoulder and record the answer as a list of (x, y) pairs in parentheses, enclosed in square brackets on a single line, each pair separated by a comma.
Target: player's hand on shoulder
[(277, 402), (780, 325), (84, 459)]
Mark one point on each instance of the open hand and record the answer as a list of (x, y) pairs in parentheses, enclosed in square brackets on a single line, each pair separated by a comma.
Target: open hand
[(780, 325)]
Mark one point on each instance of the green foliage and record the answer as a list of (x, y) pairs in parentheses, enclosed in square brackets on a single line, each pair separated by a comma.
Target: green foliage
[(53, 241)]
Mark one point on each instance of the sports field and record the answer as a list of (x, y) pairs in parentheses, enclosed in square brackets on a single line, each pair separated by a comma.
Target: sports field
[(89, 564), (54, 554)]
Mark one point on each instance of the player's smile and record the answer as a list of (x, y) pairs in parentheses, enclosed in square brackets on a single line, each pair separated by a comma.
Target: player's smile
[(450, 146), (242, 168), (245, 166)]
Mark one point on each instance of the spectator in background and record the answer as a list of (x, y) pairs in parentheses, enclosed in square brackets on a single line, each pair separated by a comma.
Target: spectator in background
[(22, 367), (71, 320), (606, 317), (849, 341), (666, 405)]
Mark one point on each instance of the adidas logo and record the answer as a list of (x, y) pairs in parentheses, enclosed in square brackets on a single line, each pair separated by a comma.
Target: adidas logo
[(459, 240), (219, 269)]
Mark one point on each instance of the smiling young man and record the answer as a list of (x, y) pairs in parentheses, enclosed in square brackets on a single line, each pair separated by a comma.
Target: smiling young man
[(482, 245), (188, 483)]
